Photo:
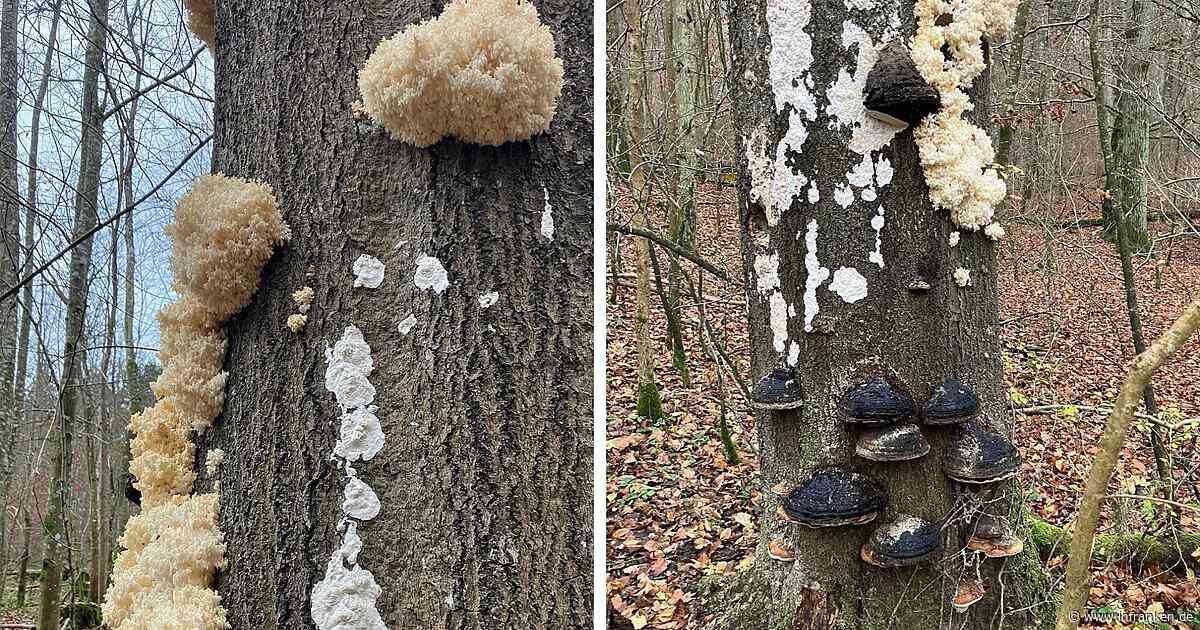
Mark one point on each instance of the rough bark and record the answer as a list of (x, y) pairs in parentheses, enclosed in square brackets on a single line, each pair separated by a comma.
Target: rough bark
[(485, 479), (10, 263), (61, 435), (1075, 587), (917, 338)]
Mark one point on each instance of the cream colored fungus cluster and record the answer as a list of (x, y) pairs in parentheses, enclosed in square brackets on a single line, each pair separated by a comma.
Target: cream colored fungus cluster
[(224, 231), (957, 155), (484, 71), (201, 20)]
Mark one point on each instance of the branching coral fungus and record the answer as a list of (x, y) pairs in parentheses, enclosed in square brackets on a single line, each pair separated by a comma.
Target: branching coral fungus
[(957, 155), (201, 20), (484, 71), (224, 231)]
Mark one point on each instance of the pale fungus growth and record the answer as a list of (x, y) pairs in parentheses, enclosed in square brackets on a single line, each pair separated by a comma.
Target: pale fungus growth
[(360, 436), (345, 598), (368, 272), (488, 299), (303, 299), (431, 274), (849, 284), (484, 71), (994, 231), (224, 231), (201, 20), (956, 154), (359, 500), (296, 322), (962, 277), (407, 324), (954, 238), (547, 217), (815, 277)]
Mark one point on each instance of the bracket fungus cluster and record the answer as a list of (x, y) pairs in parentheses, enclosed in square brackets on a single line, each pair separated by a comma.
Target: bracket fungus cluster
[(484, 71), (904, 542), (224, 231), (833, 497), (779, 390)]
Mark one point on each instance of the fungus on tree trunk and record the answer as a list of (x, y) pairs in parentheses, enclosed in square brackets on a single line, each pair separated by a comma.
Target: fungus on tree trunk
[(224, 231), (201, 20), (906, 541), (895, 92), (484, 71), (779, 390)]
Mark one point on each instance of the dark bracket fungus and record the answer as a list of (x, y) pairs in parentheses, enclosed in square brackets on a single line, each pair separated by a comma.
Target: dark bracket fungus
[(131, 492), (876, 402), (976, 456), (895, 92), (833, 497), (968, 592), (919, 285), (904, 542), (896, 443), (952, 402), (991, 536), (779, 390)]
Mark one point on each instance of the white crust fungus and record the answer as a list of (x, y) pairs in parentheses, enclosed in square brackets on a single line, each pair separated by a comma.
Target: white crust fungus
[(224, 231), (962, 277), (407, 324), (484, 71), (431, 274), (547, 217), (368, 272), (488, 299), (957, 155), (849, 284)]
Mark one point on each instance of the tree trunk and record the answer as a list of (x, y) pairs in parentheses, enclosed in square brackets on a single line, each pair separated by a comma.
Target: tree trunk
[(1008, 106), (798, 247), (10, 259), (486, 475), (649, 404), (61, 436), (1138, 86)]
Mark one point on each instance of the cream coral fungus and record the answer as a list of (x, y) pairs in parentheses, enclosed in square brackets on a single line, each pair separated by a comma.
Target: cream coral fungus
[(956, 154), (201, 20), (303, 298), (484, 71), (296, 322), (224, 231)]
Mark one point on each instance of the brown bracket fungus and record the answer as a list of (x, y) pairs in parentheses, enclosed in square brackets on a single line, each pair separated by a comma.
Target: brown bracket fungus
[(952, 403), (991, 536), (779, 390), (895, 92), (904, 542), (977, 456), (896, 443), (484, 71), (780, 551), (969, 591), (833, 497), (876, 402)]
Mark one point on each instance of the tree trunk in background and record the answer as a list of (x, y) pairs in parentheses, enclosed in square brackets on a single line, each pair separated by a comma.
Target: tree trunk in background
[(674, 176), (1008, 106), (31, 201), (1138, 85), (649, 404), (61, 435), (917, 338), (10, 265), (618, 143), (486, 475)]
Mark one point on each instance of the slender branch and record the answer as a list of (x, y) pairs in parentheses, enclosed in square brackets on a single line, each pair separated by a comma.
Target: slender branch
[(672, 246)]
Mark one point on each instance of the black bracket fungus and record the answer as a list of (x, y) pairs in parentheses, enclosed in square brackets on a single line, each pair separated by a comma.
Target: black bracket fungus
[(833, 497), (131, 492), (896, 443), (895, 92), (904, 542), (977, 456), (779, 390), (952, 403), (876, 402), (991, 536)]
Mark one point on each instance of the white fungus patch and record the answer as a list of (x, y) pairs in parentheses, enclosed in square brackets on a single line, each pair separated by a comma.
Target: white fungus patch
[(815, 277), (547, 217), (359, 500), (994, 231), (296, 322), (407, 324), (213, 461), (368, 272), (814, 195), (954, 238), (962, 277), (766, 273), (345, 598), (849, 284), (431, 274), (360, 436), (789, 62), (843, 195), (877, 222), (488, 299), (793, 354)]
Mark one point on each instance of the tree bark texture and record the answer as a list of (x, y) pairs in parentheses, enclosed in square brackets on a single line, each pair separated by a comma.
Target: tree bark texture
[(915, 337), (485, 479)]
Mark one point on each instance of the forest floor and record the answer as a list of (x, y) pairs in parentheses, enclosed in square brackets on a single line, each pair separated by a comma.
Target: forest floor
[(679, 511)]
